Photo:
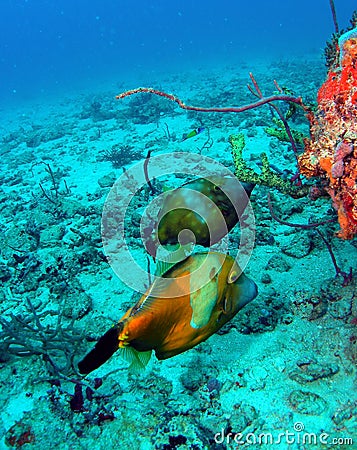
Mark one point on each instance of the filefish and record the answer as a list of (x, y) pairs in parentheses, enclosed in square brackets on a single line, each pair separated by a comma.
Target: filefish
[(189, 303), (198, 206), (192, 133)]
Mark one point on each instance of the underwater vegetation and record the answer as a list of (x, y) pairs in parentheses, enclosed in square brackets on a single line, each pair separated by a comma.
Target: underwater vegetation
[(119, 155), (29, 336), (330, 156)]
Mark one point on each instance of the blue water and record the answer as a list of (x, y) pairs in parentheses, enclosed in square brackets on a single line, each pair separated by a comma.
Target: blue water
[(287, 360), (56, 46)]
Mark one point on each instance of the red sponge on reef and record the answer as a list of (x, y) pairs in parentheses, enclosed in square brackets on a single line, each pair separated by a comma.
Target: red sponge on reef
[(331, 153)]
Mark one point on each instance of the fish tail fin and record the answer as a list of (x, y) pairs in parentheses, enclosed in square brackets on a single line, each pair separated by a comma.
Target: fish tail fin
[(137, 360), (107, 345)]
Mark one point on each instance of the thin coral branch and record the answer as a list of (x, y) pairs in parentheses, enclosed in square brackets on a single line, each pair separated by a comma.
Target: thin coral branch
[(251, 90), (347, 276), (46, 195), (54, 182), (285, 123), (167, 132), (232, 109), (256, 86), (27, 336), (304, 226), (277, 86), (208, 144), (146, 163), (278, 111), (334, 17)]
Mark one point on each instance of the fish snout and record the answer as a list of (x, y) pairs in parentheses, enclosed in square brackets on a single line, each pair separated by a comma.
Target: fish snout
[(244, 290), (250, 291)]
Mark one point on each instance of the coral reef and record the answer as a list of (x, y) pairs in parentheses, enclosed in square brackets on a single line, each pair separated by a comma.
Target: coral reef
[(288, 358), (267, 177), (331, 153), (119, 155), (280, 133), (27, 336), (332, 46)]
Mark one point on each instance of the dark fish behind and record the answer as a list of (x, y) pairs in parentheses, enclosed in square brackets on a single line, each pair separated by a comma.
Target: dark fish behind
[(199, 206)]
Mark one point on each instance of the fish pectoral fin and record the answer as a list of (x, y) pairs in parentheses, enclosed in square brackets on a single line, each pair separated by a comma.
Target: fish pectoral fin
[(137, 360), (102, 351)]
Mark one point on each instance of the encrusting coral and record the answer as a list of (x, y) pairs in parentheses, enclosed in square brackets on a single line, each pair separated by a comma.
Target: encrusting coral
[(280, 133), (267, 177), (331, 153)]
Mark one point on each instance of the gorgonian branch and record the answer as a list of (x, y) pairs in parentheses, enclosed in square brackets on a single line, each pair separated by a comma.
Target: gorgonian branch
[(228, 109)]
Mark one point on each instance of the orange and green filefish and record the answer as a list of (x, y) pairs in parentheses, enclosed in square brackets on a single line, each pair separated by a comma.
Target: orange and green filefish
[(191, 301)]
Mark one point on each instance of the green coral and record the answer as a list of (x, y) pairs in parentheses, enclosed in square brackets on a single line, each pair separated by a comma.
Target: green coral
[(267, 177), (280, 132)]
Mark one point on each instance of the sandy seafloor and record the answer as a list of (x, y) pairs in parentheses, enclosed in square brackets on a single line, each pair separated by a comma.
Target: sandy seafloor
[(286, 363)]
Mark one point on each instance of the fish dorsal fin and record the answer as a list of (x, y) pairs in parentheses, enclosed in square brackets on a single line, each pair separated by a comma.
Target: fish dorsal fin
[(170, 255), (161, 290), (146, 302), (162, 267), (158, 288), (137, 360)]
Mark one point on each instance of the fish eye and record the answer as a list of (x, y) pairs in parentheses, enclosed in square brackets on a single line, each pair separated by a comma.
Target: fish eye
[(233, 276)]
